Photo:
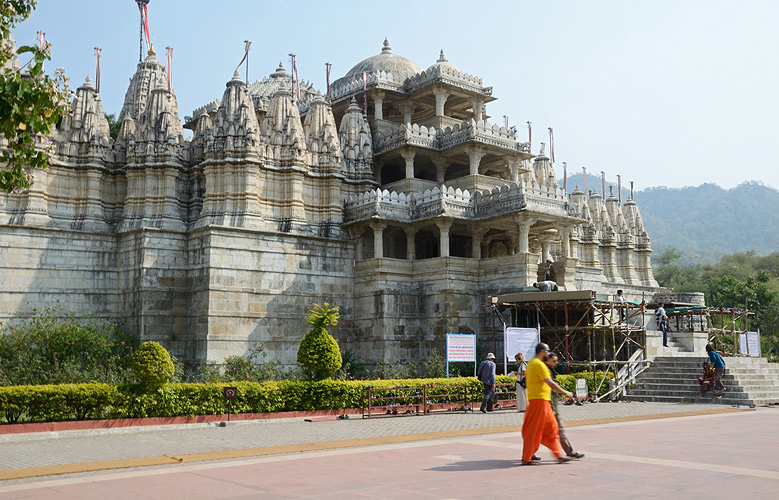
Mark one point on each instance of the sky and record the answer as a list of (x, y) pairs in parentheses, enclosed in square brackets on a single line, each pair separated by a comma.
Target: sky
[(664, 93)]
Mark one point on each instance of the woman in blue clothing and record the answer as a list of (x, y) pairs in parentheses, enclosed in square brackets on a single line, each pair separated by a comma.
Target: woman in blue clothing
[(719, 367)]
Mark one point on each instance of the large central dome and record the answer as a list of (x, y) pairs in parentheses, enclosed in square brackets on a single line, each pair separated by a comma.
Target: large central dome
[(400, 67)]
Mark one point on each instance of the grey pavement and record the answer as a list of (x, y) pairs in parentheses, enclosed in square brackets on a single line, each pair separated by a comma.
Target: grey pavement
[(71, 447)]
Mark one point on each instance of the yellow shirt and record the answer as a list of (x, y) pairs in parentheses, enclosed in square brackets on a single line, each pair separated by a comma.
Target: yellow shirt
[(535, 374)]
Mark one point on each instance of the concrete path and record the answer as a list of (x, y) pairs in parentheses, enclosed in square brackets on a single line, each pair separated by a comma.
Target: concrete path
[(633, 450)]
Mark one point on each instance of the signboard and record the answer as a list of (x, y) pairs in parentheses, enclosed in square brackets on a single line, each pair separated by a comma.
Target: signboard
[(230, 393), (522, 340), (460, 347), (581, 388), (749, 343)]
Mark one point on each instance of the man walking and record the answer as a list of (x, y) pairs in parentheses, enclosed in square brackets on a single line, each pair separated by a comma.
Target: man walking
[(551, 362), (662, 322), (540, 426), (486, 375)]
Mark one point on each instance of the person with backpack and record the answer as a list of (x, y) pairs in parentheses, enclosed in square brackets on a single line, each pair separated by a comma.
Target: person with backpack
[(719, 368), (486, 375)]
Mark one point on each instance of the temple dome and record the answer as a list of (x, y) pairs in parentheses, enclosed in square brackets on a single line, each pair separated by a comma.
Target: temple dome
[(442, 65), (400, 67)]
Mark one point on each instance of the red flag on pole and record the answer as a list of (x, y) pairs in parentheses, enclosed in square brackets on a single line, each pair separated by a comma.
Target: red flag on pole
[(247, 46), (328, 66), (169, 51), (145, 18), (41, 40), (365, 92), (98, 50), (551, 143), (506, 119)]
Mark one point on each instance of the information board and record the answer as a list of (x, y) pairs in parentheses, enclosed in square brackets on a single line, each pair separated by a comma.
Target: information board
[(581, 388), (460, 347), (522, 340), (749, 343)]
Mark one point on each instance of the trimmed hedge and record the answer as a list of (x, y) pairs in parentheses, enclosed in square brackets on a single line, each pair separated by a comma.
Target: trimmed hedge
[(53, 403)]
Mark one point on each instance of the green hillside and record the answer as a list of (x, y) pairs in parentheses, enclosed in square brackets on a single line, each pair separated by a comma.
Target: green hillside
[(706, 222)]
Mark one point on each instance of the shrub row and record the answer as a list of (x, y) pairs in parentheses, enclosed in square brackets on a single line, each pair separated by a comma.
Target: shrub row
[(52, 403)]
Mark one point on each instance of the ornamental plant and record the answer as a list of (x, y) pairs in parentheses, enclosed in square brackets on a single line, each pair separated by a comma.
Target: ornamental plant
[(319, 355), (152, 365), (55, 346)]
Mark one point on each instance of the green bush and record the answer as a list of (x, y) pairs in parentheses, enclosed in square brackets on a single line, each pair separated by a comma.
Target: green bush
[(54, 347), (319, 355), (152, 365), (49, 403)]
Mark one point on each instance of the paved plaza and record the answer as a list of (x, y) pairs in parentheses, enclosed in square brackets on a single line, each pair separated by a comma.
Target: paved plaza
[(633, 450)]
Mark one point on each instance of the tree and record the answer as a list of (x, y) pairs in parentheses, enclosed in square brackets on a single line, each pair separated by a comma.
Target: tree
[(114, 125), (319, 355), (152, 365), (31, 102)]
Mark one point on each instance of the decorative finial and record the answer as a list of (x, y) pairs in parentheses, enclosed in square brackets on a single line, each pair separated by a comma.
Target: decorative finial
[(152, 51), (386, 49), (236, 76), (88, 79), (441, 58)]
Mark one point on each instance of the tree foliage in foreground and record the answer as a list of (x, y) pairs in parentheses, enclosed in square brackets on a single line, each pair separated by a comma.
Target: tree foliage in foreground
[(31, 102)]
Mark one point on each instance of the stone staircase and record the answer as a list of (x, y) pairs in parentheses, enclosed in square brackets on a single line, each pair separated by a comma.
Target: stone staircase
[(674, 379)]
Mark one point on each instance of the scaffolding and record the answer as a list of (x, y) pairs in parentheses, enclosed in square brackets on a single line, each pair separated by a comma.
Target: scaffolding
[(723, 325), (587, 330)]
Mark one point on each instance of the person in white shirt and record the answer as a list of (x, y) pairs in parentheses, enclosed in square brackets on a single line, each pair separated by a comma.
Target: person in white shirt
[(662, 322)]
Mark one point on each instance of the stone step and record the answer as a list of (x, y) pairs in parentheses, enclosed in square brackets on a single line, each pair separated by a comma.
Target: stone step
[(665, 387), (721, 401), (744, 381)]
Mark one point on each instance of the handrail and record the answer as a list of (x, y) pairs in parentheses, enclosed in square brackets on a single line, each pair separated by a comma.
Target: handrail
[(628, 373)]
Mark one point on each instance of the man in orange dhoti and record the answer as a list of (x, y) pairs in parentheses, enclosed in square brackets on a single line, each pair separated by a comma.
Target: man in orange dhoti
[(540, 425)]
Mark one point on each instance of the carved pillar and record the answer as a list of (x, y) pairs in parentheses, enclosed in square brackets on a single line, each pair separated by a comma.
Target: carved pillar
[(408, 155), (378, 238), (378, 102), (478, 236), (443, 229), (475, 154), (524, 232), (545, 245), (440, 100), (411, 246), (565, 236), (477, 105), (440, 168), (513, 166), (407, 109)]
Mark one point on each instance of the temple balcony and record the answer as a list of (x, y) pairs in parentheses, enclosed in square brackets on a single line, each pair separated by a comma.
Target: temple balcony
[(460, 203)]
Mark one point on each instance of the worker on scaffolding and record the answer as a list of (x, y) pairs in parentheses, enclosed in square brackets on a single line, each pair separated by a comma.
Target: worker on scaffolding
[(546, 286), (662, 322)]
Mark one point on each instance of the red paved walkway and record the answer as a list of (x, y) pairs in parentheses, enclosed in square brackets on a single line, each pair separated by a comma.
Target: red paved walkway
[(715, 456)]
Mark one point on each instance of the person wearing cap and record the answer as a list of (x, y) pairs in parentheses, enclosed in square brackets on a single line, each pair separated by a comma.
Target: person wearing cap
[(540, 425), (486, 375)]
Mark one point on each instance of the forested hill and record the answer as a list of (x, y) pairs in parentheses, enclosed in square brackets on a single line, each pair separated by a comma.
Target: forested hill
[(706, 222)]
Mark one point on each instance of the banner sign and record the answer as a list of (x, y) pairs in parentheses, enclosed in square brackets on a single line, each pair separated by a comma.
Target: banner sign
[(522, 340), (749, 343), (460, 347)]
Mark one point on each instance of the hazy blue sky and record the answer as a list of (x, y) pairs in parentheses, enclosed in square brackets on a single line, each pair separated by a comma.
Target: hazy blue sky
[(662, 92)]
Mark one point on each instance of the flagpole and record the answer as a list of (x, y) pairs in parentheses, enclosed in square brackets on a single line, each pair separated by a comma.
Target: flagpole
[(565, 178), (586, 194), (603, 180)]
